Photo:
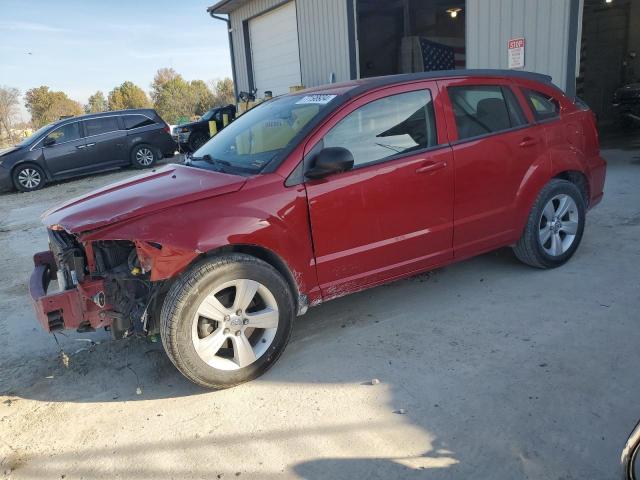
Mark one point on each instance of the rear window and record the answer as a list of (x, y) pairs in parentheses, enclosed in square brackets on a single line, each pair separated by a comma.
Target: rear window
[(544, 106), (97, 126), (484, 109), (136, 121)]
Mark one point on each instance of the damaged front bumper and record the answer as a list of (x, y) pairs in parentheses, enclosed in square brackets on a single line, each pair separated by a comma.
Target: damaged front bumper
[(80, 308)]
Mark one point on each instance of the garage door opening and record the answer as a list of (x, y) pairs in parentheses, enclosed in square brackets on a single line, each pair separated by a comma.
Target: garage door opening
[(403, 36), (609, 60)]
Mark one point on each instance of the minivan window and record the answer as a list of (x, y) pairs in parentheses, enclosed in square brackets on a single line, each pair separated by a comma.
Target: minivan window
[(387, 127), (257, 136), (65, 133), (544, 106), (97, 126), (136, 121), (484, 109)]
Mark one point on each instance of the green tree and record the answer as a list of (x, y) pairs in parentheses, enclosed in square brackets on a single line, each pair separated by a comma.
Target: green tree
[(223, 92), (174, 100), (46, 106), (97, 103), (127, 95), (201, 96)]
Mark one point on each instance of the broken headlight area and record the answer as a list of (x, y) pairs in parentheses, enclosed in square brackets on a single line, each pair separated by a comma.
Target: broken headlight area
[(101, 284), (133, 298)]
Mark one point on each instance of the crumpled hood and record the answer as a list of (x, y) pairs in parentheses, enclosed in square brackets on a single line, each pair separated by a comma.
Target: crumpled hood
[(163, 188)]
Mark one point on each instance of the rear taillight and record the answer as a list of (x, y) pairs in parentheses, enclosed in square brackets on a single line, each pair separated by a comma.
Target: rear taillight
[(167, 128)]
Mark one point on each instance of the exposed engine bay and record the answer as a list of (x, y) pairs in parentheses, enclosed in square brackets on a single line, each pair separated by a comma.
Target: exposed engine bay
[(129, 302)]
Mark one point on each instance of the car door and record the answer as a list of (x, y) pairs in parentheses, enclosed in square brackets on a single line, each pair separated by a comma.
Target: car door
[(63, 149), (105, 142), (495, 146), (392, 213)]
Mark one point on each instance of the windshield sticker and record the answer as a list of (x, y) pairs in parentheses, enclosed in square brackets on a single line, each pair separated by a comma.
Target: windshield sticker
[(321, 99)]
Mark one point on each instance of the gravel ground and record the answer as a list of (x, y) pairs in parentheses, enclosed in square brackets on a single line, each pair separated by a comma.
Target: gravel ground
[(487, 369)]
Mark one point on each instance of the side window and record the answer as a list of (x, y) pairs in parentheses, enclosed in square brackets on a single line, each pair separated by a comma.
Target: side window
[(96, 126), (387, 127), (136, 121), (484, 109), (544, 106), (66, 133)]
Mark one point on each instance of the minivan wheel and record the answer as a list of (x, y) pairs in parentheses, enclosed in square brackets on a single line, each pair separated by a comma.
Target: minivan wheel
[(144, 156), (197, 140), (227, 320), (555, 226), (28, 178)]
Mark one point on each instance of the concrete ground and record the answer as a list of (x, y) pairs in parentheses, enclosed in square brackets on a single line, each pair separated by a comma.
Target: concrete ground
[(488, 369)]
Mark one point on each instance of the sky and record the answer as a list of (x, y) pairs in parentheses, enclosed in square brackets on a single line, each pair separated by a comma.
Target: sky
[(80, 46)]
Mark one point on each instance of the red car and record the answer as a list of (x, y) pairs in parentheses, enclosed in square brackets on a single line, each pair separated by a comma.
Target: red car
[(315, 195)]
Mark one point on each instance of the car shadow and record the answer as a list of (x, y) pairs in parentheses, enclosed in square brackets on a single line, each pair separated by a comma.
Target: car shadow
[(137, 369)]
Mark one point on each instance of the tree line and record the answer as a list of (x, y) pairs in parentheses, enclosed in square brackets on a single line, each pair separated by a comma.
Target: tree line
[(173, 97)]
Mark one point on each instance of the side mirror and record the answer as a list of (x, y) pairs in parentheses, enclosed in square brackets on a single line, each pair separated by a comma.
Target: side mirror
[(48, 141), (330, 160)]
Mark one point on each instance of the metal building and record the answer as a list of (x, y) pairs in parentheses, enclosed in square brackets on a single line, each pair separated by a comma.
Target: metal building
[(280, 44)]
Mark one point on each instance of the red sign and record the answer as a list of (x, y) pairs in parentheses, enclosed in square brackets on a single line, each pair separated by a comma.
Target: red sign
[(516, 53)]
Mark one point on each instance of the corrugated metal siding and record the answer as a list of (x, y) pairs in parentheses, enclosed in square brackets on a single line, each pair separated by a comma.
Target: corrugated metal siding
[(543, 23), (322, 35), (324, 44)]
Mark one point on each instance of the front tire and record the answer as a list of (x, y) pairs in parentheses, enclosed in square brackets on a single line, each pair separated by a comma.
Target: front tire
[(227, 320), (29, 177), (197, 140), (144, 156), (555, 226)]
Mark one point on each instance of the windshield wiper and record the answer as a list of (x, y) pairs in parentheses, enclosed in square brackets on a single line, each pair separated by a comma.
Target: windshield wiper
[(213, 161)]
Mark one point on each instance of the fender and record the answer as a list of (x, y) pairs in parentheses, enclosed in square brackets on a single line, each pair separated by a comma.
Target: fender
[(561, 159), (235, 219)]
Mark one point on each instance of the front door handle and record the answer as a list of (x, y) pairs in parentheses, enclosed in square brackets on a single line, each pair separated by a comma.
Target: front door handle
[(91, 144), (428, 167), (528, 142)]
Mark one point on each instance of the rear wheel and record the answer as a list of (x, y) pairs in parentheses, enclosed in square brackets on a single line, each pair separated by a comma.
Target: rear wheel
[(227, 320), (554, 227), (28, 178), (144, 156)]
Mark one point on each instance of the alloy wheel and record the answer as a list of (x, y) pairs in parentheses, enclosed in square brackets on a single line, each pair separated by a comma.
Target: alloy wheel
[(144, 156), (29, 178), (558, 225), (235, 324)]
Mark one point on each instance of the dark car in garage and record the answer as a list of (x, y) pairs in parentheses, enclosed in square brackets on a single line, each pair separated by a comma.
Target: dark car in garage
[(86, 144)]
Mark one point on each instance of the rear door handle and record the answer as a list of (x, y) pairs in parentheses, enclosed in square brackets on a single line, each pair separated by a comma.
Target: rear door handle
[(528, 142), (80, 147), (428, 167)]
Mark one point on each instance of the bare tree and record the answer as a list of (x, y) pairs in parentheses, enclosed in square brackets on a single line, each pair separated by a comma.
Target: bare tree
[(9, 101)]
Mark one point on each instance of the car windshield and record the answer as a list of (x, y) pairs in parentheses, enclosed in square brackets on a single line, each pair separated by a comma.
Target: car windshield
[(34, 136), (249, 143), (207, 115)]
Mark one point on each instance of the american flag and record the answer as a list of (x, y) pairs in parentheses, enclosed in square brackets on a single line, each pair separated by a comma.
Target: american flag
[(437, 56)]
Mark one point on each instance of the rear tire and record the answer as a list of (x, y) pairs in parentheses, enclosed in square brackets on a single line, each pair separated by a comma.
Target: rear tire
[(28, 177), (210, 317), (144, 156), (555, 226)]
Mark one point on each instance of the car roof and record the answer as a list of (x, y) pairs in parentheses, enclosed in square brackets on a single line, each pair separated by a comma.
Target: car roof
[(357, 87), (88, 116)]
